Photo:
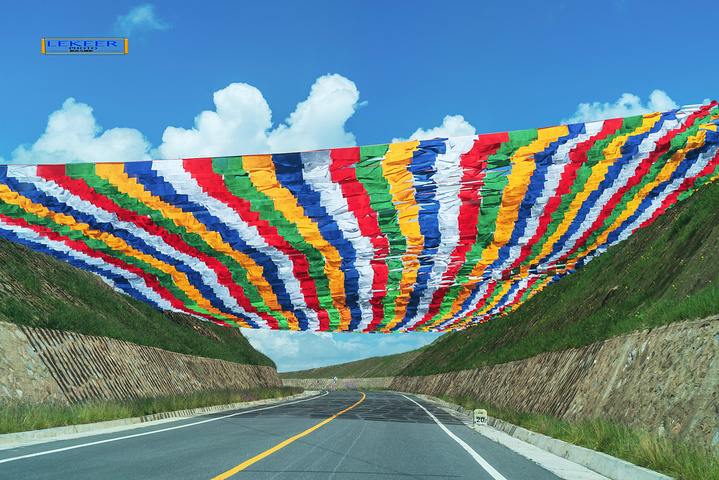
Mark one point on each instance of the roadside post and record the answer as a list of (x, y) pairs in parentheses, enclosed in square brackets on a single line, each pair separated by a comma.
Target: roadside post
[(480, 416)]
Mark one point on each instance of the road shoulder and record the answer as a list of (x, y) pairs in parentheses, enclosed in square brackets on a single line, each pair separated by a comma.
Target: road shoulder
[(565, 460), (21, 439)]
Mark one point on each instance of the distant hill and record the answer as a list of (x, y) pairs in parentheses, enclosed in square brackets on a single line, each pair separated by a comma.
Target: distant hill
[(387, 366), (40, 291), (666, 272)]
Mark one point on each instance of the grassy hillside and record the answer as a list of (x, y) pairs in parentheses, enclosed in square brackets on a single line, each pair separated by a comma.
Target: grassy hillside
[(387, 366), (39, 291), (664, 273)]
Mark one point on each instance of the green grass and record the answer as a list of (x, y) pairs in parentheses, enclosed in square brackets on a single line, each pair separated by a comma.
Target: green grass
[(39, 291), (671, 456), (663, 273), (20, 416), (387, 366)]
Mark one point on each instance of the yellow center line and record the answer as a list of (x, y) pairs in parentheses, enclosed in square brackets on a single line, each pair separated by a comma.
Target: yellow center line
[(282, 445)]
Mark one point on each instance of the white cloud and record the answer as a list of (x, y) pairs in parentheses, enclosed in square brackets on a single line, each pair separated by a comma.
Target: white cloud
[(139, 19), (319, 121), (302, 350), (73, 135), (237, 126), (242, 122), (627, 105), (452, 126), (269, 343)]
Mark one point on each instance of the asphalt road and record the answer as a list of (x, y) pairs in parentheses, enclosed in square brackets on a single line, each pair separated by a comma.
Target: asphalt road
[(378, 435)]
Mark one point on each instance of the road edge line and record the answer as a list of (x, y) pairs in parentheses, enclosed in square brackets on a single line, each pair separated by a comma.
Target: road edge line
[(109, 440), (598, 462), (476, 456), (35, 437)]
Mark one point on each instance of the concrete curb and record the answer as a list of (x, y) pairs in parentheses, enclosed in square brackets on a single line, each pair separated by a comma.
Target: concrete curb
[(11, 440), (599, 462)]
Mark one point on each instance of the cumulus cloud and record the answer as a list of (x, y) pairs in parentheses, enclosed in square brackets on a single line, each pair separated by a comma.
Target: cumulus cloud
[(319, 121), (627, 105), (293, 351), (452, 126), (73, 135), (242, 123), (238, 125), (139, 19)]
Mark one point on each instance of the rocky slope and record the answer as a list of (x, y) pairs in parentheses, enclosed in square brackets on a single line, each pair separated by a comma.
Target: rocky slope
[(665, 380), (39, 364)]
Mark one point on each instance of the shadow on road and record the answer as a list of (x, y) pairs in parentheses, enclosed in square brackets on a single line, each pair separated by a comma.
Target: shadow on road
[(378, 406)]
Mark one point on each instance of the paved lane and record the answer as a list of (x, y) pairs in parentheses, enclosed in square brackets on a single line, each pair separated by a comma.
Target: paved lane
[(386, 435)]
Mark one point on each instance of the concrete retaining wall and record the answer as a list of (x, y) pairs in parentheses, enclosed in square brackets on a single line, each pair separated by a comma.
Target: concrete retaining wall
[(42, 365), (666, 380)]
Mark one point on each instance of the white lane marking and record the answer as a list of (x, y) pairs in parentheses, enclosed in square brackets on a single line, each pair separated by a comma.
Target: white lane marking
[(477, 457), (156, 431)]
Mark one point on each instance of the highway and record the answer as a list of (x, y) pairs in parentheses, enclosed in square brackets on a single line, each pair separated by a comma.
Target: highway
[(337, 435)]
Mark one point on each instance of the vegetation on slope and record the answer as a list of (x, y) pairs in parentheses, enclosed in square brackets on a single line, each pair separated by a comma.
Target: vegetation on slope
[(664, 273), (661, 274), (671, 456), (40, 291), (19, 416), (387, 366)]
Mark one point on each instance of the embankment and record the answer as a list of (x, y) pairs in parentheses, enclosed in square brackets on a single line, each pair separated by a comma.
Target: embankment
[(666, 380), (39, 365), (349, 383)]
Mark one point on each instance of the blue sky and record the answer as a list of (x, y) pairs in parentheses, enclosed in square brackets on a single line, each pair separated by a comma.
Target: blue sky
[(241, 77)]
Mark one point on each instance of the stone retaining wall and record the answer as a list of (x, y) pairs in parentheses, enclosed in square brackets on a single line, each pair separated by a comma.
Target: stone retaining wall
[(40, 365), (342, 383), (666, 379)]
